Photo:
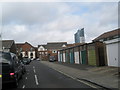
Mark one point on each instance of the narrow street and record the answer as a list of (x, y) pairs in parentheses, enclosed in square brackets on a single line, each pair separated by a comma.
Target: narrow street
[(62, 44), (41, 76)]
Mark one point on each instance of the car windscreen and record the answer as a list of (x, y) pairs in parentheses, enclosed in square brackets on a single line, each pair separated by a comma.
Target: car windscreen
[(5, 58), (51, 57), (25, 59)]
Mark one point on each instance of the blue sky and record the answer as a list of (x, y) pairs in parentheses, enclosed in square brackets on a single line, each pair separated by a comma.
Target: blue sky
[(41, 22)]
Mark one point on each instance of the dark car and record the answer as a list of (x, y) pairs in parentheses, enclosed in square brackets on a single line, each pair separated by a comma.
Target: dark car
[(11, 68), (51, 58), (26, 61), (23, 67)]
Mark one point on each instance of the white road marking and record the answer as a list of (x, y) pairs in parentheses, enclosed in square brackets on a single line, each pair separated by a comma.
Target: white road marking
[(23, 86), (36, 80), (33, 66), (86, 83), (34, 70), (26, 77)]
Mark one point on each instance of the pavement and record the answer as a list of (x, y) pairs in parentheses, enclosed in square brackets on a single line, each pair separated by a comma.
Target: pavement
[(104, 76)]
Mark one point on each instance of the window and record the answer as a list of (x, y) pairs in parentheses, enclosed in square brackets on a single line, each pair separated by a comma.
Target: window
[(16, 61), (64, 45), (115, 36), (54, 51), (20, 49), (110, 38), (105, 39), (5, 58), (3, 47), (31, 54), (101, 40), (41, 49), (31, 49)]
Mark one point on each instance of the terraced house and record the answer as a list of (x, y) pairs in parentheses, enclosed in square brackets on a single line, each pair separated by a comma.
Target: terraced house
[(26, 50), (42, 52), (50, 49), (9, 46)]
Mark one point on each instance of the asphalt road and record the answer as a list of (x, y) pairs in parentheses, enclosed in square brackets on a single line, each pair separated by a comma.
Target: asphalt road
[(41, 76)]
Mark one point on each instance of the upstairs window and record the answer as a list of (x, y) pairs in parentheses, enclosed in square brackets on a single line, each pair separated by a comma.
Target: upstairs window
[(41, 49), (115, 36), (31, 49), (20, 49), (54, 51), (101, 40), (64, 45)]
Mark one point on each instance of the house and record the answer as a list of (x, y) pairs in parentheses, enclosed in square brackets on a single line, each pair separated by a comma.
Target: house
[(112, 41), (50, 49), (9, 46), (53, 48), (26, 50), (42, 52)]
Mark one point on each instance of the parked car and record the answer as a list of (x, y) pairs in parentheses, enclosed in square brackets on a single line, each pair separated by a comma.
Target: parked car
[(38, 59), (32, 59), (51, 58), (11, 68), (23, 67), (26, 61)]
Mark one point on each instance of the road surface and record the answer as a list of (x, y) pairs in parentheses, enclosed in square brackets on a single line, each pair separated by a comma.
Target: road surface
[(39, 75)]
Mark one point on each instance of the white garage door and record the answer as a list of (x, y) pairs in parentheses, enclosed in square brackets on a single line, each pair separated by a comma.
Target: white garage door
[(112, 54), (63, 57), (76, 57)]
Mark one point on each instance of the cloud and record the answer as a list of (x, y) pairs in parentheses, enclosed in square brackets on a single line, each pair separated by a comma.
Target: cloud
[(42, 22), (65, 23), (15, 32), (32, 13), (101, 18), (60, 0)]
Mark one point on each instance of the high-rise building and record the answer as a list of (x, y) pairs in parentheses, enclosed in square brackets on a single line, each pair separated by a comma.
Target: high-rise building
[(79, 36)]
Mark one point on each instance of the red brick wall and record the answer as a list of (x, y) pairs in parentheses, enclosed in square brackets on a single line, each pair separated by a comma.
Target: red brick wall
[(27, 47)]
